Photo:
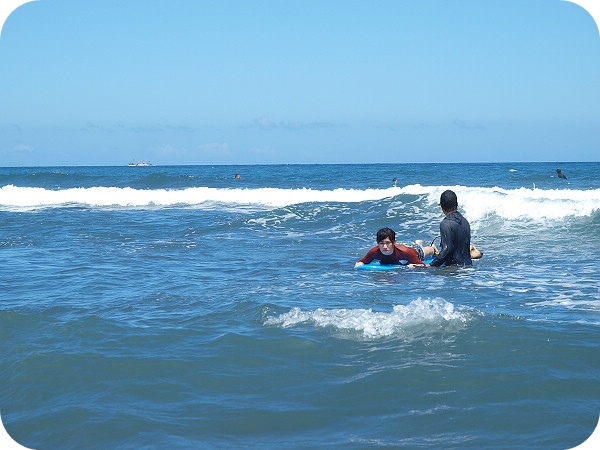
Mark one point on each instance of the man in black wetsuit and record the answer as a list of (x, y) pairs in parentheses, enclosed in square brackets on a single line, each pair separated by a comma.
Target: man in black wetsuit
[(456, 234)]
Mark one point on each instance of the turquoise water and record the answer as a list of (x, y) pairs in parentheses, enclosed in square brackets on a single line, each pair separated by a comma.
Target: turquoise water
[(178, 307)]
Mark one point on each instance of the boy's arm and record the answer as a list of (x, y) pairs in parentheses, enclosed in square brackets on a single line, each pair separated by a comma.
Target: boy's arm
[(367, 258)]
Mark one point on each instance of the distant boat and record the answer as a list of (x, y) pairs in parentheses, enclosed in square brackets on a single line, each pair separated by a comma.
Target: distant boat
[(139, 163)]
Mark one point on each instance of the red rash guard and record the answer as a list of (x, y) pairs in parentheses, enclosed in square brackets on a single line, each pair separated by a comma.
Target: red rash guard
[(401, 253)]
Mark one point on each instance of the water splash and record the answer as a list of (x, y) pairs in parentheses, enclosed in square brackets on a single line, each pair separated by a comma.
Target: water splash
[(403, 319)]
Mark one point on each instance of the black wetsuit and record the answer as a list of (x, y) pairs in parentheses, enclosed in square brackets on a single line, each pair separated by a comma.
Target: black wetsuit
[(456, 240)]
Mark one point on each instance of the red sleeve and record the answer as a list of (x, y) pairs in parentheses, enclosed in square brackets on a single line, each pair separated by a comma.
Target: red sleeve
[(370, 256)]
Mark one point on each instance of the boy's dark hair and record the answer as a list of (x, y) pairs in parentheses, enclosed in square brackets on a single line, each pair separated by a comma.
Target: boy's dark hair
[(448, 200), (386, 233)]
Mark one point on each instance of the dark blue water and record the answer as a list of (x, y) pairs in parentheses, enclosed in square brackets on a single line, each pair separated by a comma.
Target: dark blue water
[(178, 307)]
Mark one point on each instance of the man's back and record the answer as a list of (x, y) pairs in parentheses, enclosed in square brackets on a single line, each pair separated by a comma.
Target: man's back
[(456, 239)]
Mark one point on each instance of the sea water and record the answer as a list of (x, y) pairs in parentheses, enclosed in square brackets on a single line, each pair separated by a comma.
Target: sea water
[(180, 307)]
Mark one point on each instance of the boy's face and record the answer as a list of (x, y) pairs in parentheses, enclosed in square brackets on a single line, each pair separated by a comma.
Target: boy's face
[(386, 246)]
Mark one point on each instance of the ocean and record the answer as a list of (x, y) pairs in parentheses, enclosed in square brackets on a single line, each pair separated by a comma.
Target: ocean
[(180, 307)]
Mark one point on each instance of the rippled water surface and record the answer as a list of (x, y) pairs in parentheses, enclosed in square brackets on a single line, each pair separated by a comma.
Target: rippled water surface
[(178, 307)]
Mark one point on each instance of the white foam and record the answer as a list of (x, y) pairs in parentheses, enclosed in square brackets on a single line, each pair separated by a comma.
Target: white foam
[(373, 324), (33, 197), (477, 203)]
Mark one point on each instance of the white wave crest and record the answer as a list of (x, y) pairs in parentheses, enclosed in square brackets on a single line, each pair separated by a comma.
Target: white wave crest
[(477, 203), (371, 324), (33, 197), (523, 204)]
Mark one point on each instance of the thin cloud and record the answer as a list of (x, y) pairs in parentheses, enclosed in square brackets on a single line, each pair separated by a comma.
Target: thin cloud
[(160, 128), (214, 147), (22, 148), (139, 129), (264, 123), (458, 123)]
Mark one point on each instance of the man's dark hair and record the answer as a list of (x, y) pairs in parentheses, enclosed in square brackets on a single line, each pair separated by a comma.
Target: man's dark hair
[(386, 233), (448, 200)]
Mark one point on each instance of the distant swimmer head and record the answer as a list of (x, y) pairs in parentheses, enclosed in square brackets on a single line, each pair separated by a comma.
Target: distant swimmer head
[(560, 174), (237, 176), (448, 200), (395, 180)]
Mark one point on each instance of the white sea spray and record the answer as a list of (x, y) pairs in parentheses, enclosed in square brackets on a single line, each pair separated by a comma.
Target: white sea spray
[(373, 324)]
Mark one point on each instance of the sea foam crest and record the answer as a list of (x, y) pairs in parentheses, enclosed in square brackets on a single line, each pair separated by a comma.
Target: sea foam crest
[(529, 204), (476, 202), (34, 197), (522, 203), (430, 313)]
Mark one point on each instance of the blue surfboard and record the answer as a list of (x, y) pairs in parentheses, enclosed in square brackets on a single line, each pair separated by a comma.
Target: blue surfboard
[(375, 265)]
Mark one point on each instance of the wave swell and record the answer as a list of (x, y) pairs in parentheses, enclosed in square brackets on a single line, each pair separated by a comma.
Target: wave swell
[(477, 202)]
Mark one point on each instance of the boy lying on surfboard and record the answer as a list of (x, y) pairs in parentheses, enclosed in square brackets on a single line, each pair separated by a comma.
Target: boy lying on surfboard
[(389, 252)]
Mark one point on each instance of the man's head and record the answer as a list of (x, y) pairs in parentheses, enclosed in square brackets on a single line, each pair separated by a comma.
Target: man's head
[(448, 201), (386, 238)]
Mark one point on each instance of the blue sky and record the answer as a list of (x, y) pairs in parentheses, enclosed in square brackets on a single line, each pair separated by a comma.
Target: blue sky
[(106, 82)]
